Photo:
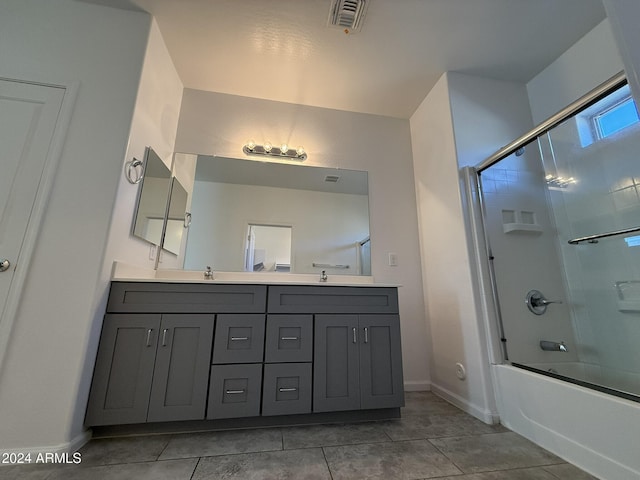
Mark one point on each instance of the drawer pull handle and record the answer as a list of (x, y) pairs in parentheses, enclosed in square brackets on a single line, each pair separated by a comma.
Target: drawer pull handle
[(149, 337), (234, 392), (355, 335), (164, 337), (239, 339), (366, 335), (288, 338), (287, 389)]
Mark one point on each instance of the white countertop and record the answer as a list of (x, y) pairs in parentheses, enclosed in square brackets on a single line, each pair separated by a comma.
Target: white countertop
[(129, 273)]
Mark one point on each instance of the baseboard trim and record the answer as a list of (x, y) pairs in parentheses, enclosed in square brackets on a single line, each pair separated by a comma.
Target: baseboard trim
[(417, 386), (487, 416), (71, 446)]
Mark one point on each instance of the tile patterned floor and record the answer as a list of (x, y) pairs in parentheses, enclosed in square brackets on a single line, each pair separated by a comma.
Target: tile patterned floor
[(432, 440)]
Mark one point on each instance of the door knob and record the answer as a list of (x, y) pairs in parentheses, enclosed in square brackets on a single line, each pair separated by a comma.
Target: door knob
[(4, 264)]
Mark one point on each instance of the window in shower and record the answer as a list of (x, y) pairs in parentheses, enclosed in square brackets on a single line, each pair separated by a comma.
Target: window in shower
[(605, 118), (616, 118), (592, 336)]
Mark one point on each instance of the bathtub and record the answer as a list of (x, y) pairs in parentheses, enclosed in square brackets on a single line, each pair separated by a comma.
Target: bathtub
[(599, 433)]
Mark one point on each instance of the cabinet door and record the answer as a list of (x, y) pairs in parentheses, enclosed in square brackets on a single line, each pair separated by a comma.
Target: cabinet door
[(181, 374), (381, 383), (335, 363), (124, 370)]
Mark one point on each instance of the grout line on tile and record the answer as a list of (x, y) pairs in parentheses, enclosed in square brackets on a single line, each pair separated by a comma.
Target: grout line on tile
[(324, 455), (195, 468)]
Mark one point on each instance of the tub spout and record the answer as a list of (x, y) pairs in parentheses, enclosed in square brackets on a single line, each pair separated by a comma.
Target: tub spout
[(553, 346)]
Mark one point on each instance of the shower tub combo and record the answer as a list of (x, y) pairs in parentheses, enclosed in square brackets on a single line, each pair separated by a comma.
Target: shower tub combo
[(557, 227)]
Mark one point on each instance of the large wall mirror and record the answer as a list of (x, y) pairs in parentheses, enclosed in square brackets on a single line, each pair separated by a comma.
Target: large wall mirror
[(152, 199), (261, 216)]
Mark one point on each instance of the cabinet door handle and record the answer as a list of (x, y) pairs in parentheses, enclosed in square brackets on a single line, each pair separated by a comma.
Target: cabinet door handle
[(366, 335), (355, 335), (287, 389), (149, 337), (288, 338), (239, 339), (164, 337), (234, 392)]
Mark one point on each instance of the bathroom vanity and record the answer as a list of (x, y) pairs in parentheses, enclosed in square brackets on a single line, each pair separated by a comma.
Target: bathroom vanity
[(264, 353)]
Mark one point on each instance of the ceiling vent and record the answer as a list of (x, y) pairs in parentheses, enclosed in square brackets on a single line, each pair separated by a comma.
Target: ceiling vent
[(332, 178), (347, 14)]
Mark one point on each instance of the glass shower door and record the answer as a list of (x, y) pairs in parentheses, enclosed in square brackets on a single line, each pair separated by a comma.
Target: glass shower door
[(560, 217)]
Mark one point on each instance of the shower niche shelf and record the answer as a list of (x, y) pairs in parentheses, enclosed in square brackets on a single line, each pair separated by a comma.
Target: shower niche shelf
[(520, 221), (530, 228), (628, 295)]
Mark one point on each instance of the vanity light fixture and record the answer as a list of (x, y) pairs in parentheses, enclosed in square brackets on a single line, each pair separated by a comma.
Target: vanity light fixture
[(251, 148)]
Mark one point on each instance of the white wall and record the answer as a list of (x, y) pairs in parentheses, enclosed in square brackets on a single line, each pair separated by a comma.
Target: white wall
[(154, 124), (589, 62), (623, 15), (462, 121), (325, 226), (219, 124), (46, 365)]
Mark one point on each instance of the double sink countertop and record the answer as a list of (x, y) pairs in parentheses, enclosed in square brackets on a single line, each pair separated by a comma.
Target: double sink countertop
[(123, 272)]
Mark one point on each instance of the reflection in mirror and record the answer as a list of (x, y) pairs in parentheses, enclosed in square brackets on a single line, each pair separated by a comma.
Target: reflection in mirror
[(152, 199), (177, 219), (325, 210), (268, 248)]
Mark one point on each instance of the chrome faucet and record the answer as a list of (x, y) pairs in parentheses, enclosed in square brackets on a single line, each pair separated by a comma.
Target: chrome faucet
[(208, 274), (553, 346), (323, 276)]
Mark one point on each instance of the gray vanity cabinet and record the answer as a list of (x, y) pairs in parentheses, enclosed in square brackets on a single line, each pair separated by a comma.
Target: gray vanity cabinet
[(151, 367), (357, 362), (218, 352)]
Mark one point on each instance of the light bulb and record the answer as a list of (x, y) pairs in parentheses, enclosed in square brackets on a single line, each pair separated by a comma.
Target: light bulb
[(251, 144), (284, 148), (267, 147), (300, 150)]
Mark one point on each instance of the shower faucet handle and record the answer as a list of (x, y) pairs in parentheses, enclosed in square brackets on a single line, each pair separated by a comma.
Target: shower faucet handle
[(537, 303)]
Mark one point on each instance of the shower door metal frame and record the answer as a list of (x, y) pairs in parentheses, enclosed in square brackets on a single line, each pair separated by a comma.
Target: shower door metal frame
[(582, 103)]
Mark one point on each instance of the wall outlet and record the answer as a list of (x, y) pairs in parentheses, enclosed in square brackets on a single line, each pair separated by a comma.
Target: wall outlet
[(393, 259), (152, 252)]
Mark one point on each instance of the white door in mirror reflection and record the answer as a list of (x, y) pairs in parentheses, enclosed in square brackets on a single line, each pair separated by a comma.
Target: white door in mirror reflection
[(268, 248)]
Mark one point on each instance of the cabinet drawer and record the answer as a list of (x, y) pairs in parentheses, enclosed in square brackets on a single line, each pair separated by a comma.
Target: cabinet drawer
[(239, 339), (289, 338), (286, 389), (234, 391), (328, 299), (151, 297)]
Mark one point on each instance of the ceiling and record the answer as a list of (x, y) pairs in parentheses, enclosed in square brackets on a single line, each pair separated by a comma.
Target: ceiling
[(283, 50)]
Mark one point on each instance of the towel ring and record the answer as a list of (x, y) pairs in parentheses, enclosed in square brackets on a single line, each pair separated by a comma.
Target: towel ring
[(131, 171)]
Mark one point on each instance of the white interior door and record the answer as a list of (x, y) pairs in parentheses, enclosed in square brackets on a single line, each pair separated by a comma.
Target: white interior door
[(28, 117)]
